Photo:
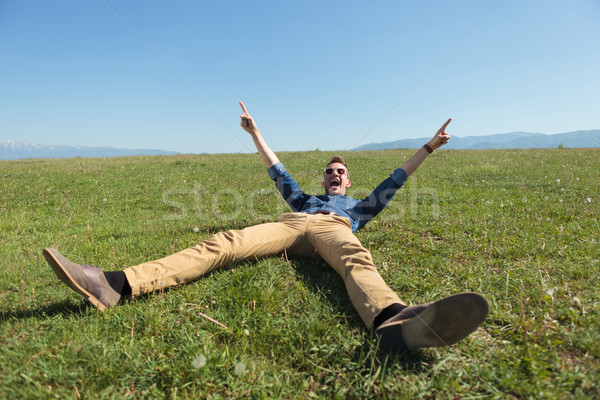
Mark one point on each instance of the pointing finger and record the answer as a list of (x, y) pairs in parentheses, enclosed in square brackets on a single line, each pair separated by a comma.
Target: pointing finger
[(443, 128), (244, 108)]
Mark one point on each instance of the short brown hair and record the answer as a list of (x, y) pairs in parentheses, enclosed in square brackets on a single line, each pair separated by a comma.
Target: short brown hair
[(339, 160)]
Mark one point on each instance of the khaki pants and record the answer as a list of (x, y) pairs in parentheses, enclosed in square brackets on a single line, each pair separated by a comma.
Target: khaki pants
[(329, 236)]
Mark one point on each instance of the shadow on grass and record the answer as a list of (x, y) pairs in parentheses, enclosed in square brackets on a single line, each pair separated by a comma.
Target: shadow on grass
[(65, 308), (315, 274), (368, 353), (319, 277)]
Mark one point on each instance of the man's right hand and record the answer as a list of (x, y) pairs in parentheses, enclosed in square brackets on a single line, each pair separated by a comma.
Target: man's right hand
[(265, 152), (247, 122)]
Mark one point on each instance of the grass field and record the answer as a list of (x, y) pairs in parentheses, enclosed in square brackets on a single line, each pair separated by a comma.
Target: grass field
[(520, 226)]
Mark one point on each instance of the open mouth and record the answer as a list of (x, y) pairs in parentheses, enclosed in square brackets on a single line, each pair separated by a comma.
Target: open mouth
[(335, 183)]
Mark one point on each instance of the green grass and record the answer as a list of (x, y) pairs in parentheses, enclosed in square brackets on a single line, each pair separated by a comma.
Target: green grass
[(519, 226)]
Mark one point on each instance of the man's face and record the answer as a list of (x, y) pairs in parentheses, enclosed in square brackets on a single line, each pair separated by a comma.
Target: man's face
[(336, 181)]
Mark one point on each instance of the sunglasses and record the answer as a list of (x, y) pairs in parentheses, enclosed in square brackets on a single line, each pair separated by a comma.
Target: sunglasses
[(340, 171)]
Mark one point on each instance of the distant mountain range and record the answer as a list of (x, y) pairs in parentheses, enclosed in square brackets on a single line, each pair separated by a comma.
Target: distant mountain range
[(15, 149), (514, 140)]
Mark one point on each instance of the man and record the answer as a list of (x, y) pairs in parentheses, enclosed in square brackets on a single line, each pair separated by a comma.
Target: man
[(320, 225)]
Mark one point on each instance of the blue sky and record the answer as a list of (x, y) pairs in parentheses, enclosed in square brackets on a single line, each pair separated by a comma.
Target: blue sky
[(327, 75)]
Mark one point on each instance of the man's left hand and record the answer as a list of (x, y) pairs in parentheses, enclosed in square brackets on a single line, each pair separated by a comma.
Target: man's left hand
[(441, 137)]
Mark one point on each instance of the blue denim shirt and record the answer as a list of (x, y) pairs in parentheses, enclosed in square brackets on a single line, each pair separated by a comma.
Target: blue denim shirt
[(358, 211)]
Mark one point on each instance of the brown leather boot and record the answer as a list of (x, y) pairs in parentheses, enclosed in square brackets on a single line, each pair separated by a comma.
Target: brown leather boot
[(440, 323), (87, 280)]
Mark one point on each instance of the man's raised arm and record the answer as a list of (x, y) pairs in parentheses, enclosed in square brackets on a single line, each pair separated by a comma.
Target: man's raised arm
[(440, 139), (265, 152)]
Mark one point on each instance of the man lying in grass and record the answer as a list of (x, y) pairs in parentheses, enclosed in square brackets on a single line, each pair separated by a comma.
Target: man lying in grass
[(320, 226)]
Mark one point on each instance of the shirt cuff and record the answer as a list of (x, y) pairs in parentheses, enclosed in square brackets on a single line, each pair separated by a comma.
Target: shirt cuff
[(399, 176), (276, 170)]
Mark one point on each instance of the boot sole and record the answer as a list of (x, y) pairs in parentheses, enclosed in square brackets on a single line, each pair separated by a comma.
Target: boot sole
[(443, 323), (62, 274)]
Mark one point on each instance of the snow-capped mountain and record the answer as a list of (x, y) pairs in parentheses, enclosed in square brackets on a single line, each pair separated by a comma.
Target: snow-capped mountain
[(17, 149)]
